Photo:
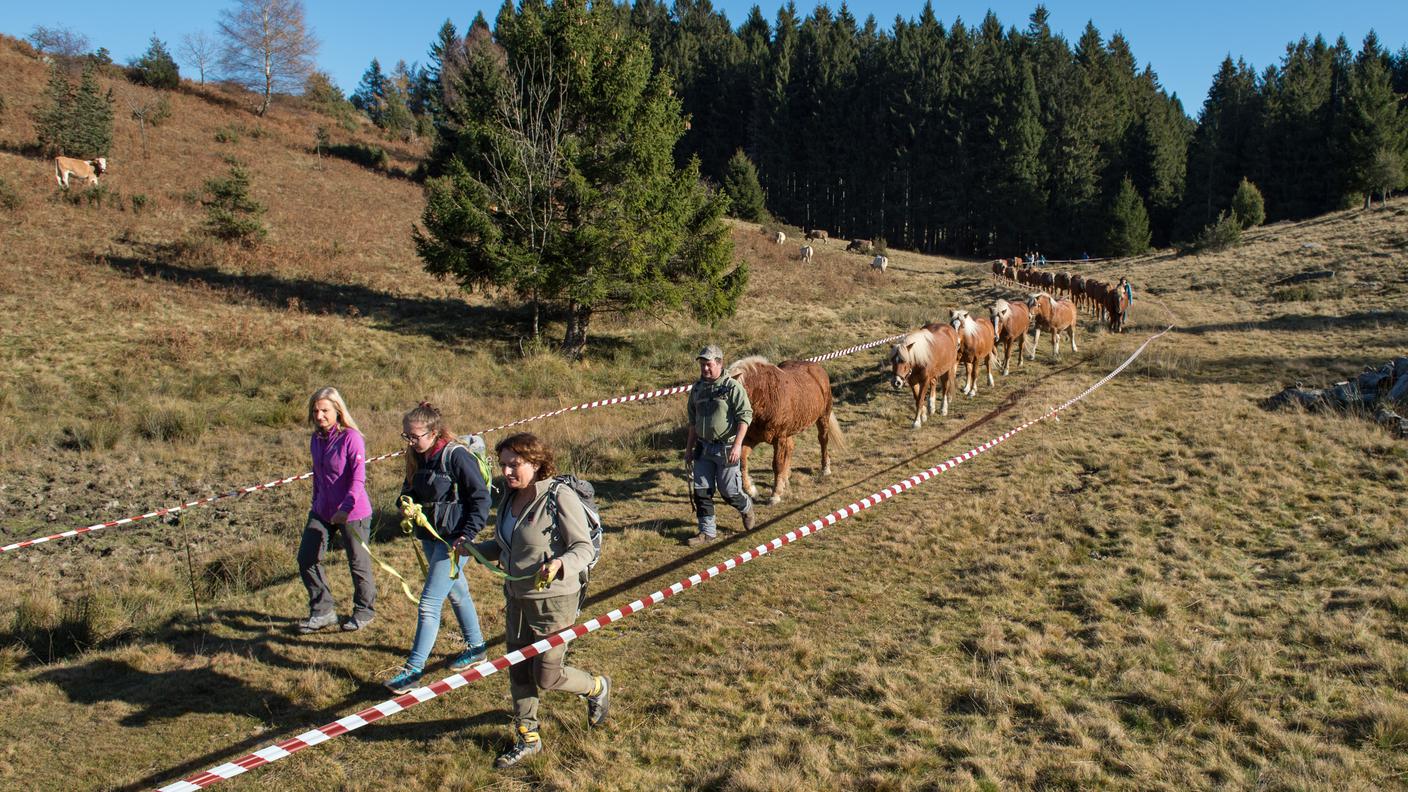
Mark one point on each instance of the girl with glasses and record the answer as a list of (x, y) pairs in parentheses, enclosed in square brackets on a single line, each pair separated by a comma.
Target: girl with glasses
[(447, 484)]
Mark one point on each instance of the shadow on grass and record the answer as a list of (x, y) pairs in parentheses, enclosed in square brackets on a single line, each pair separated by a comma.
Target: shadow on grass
[(444, 320), (1303, 322), (766, 526)]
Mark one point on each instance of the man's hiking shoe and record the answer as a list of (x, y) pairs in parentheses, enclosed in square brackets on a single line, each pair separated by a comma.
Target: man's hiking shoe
[(406, 680), (469, 657), (528, 743), (748, 519), (355, 623), (598, 704), (317, 622), (701, 539)]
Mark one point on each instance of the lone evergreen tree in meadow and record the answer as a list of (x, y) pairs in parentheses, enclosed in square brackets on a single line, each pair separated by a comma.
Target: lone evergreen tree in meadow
[(1248, 206), (1129, 223), (156, 68), (744, 193), (560, 182), (75, 122), (231, 214)]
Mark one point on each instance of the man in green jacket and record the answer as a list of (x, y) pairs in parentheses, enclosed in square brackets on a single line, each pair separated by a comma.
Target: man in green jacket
[(719, 413)]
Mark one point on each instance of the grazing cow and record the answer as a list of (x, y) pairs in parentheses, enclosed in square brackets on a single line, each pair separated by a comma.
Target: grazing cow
[(1055, 316), (817, 234), (880, 263), (1009, 323), (975, 346), (807, 254), (778, 237), (88, 170), (786, 399), (860, 246), (925, 359)]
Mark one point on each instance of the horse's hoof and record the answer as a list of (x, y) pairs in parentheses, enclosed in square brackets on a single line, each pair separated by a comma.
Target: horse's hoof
[(918, 424), (774, 500), (826, 471), (752, 492)]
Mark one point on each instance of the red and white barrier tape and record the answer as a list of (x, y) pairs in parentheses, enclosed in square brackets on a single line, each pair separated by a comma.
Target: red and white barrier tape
[(634, 397), (280, 750)]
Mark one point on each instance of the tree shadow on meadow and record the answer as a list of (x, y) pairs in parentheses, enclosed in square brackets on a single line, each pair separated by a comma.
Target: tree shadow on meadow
[(445, 320), (769, 522), (1303, 323)]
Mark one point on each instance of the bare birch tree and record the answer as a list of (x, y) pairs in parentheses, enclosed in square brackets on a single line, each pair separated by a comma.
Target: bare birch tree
[(199, 50), (268, 46)]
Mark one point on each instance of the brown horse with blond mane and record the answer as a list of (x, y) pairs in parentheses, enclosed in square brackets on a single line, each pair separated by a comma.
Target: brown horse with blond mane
[(1009, 323), (926, 360), (975, 346), (786, 399), (1056, 316)]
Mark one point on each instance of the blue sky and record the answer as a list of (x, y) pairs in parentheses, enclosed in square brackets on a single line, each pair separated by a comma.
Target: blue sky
[(1184, 41)]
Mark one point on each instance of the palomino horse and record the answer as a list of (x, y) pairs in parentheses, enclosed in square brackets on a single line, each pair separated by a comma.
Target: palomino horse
[(925, 359), (975, 345), (786, 399), (1056, 316), (1010, 322)]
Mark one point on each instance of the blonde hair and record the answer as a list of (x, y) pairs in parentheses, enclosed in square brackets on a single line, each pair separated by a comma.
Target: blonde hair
[(429, 415), (344, 416)]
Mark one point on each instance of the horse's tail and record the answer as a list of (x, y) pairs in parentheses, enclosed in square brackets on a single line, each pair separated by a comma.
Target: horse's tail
[(833, 431)]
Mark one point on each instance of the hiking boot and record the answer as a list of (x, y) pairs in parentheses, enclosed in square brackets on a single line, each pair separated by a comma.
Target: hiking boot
[(317, 622), (598, 704), (748, 519), (469, 657), (701, 539), (355, 623), (406, 680), (527, 744)]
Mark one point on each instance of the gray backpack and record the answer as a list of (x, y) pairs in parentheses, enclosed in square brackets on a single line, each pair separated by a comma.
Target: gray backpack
[(587, 495)]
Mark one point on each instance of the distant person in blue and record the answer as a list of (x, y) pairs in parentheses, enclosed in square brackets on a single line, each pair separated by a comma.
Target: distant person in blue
[(1128, 291), (1084, 256)]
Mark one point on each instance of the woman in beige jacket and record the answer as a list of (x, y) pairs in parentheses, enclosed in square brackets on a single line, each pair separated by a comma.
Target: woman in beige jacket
[(540, 536)]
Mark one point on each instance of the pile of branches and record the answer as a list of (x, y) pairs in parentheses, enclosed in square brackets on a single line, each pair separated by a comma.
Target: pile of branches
[(1380, 391)]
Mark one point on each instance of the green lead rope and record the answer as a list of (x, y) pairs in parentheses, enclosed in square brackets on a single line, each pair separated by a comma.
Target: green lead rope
[(413, 515)]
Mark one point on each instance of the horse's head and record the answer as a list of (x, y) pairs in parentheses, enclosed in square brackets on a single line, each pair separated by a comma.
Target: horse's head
[(1001, 312), (958, 319), (900, 365)]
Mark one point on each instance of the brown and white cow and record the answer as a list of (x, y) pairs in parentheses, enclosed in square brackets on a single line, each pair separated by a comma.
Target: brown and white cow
[(880, 263), (818, 235), (807, 253), (88, 170), (860, 246)]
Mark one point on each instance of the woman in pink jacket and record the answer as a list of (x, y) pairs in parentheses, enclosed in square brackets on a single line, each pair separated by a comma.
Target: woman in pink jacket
[(340, 506)]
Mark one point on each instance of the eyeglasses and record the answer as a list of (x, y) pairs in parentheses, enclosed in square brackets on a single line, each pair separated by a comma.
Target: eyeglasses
[(410, 438)]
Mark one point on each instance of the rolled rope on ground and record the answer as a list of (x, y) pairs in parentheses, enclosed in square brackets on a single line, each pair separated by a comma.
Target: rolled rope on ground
[(169, 510), (285, 748)]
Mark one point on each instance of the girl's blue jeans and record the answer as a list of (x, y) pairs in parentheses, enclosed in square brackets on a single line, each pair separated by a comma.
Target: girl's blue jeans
[(432, 601)]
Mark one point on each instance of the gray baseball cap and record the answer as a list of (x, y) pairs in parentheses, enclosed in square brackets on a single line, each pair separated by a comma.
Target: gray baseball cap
[(711, 352)]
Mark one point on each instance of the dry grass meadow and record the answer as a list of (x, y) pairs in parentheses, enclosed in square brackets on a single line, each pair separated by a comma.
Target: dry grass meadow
[(1168, 588)]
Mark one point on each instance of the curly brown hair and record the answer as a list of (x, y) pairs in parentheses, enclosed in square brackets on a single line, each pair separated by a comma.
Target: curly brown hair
[(532, 449)]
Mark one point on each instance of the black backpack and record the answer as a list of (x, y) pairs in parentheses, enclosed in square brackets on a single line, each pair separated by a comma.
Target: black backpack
[(587, 495)]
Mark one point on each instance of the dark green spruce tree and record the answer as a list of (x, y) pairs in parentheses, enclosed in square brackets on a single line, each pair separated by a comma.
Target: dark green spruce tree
[(561, 184), (1128, 233), (745, 194)]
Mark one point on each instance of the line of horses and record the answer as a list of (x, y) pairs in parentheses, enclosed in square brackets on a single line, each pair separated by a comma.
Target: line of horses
[(927, 359), (790, 397), (1109, 302)]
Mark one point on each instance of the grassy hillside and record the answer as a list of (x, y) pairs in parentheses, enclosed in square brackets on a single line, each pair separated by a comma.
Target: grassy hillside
[(1168, 588)]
